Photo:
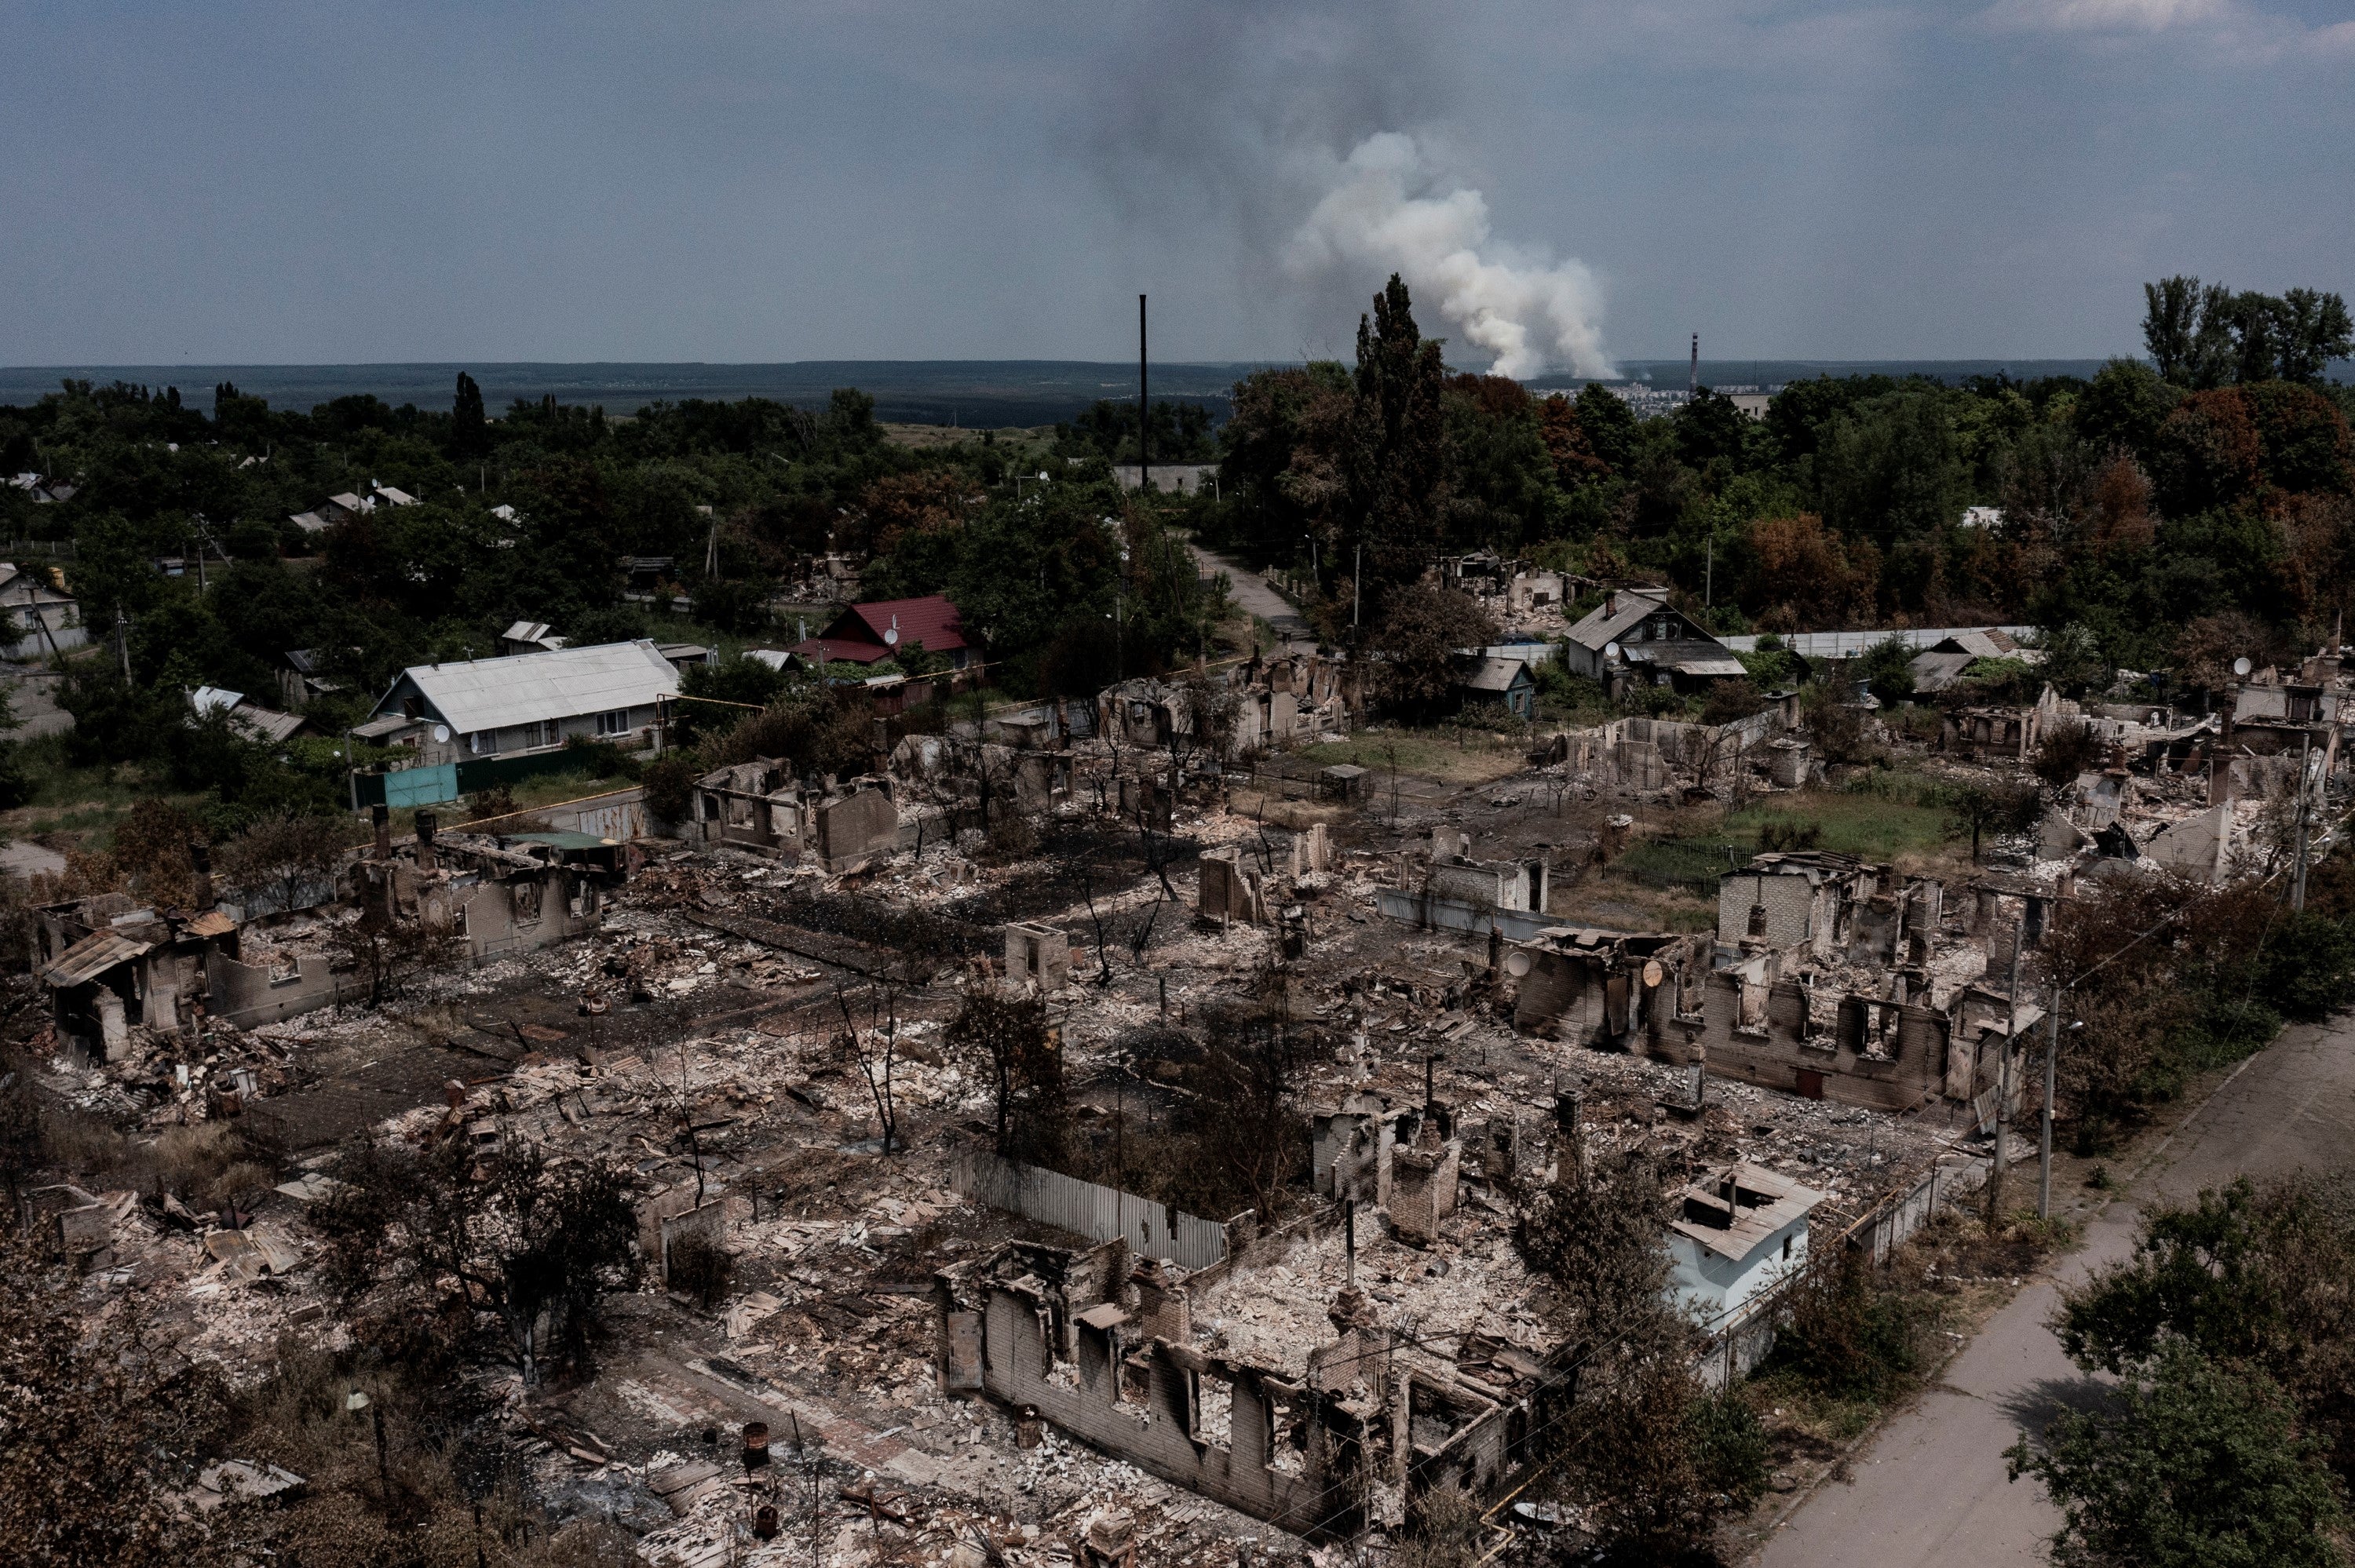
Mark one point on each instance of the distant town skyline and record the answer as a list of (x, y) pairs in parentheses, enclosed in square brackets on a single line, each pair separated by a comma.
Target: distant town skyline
[(1566, 187)]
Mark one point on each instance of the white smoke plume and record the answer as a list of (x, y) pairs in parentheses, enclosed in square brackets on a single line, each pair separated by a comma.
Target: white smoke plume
[(1386, 210)]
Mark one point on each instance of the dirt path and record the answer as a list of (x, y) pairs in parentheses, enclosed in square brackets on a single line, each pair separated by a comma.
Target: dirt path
[(1251, 592)]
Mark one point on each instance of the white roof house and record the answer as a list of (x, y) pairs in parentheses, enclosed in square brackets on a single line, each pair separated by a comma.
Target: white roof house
[(485, 707)]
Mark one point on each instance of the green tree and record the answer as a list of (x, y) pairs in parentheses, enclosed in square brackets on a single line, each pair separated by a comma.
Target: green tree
[(1419, 641), (2315, 329), (470, 433), (2256, 1276), (1398, 466), (2196, 1466)]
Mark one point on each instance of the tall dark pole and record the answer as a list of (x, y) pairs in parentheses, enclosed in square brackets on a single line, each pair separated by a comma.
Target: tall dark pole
[(1144, 413)]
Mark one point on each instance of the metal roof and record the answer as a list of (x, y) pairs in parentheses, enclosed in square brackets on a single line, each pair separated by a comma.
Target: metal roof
[(566, 683), (1849, 644), (93, 957)]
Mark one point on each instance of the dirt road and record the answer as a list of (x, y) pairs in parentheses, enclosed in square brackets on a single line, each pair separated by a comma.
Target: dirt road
[(1251, 592), (1930, 1491)]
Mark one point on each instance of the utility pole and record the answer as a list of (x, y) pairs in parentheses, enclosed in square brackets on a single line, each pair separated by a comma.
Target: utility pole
[(2297, 882), (1709, 575), (2003, 1081), (1144, 409), (1693, 380), (122, 643), (1357, 579), (2044, 1128)]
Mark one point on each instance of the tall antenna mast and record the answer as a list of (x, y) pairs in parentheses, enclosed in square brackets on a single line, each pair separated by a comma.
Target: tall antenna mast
[(1144, 409), (1692, 379)]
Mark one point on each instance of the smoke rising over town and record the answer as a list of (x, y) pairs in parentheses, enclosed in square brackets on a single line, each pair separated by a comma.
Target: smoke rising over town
[(1389, 209)]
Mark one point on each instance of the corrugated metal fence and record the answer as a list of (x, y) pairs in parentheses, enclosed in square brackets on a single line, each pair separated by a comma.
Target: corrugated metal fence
[(1100, 1214)]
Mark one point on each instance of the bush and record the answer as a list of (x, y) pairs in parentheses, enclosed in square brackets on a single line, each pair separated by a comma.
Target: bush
[(1843, 1333)]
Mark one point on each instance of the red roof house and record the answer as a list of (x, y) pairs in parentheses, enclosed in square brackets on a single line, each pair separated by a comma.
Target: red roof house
[(870, 633)]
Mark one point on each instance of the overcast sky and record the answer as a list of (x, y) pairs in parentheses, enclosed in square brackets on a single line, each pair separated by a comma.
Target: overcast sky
[(313, 182)]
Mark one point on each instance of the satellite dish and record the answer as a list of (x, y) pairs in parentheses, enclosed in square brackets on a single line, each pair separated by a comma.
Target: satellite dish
[(1611, 651), (1517, 963), (1653, 973), (891, 637), (440, 733), (2240, 666)]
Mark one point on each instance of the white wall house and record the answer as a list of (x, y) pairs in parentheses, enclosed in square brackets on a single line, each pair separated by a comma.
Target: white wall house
[(530, 701), (1739, 1231)]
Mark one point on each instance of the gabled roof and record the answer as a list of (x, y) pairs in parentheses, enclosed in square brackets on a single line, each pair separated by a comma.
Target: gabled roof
[(1620, 609), (834, 651), (491, 694), (1686, 656), (1494, 674), (932, 620)]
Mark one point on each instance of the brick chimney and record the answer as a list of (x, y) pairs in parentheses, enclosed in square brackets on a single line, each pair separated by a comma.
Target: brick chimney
[(200, 861), (425, 841), (382, 817)]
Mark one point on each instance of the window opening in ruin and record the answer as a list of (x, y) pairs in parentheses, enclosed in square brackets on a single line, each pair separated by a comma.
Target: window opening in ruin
[(1757, 919), (1214, 1412)]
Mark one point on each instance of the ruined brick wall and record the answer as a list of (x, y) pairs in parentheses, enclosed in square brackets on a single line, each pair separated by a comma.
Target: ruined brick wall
[(242, 993), (861, 823), (1788, 903), (1826, 1065), (1159, 1433), (1422, 1189)]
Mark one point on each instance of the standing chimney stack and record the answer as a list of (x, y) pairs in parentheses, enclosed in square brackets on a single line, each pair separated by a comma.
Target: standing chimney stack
[(200, 861), (381, 816), (425, 841)]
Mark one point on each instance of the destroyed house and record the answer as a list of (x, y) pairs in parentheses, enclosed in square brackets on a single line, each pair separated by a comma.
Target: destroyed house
[(1101, 1346), (1739, 1231), (1288, 699), (761, 807), (1610, 989), (112, 964), (1893, 1052), (1793, 901), (529, 701)]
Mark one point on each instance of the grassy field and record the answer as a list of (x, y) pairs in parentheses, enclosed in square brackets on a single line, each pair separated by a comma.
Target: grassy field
[(1893, 820), (1471, 756)]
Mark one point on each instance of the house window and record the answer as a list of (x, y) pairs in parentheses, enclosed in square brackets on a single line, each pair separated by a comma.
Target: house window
[(614, 723), (483, 742), (1758, 919), (1786, 1249)]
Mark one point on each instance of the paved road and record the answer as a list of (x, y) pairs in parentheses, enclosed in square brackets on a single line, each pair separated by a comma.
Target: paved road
[(1929, 1491), (1251, 592)]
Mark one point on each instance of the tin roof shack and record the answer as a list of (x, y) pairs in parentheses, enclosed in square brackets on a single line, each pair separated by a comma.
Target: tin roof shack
[(1505, 685), (1739, 1231), (1635, 638), (1322, 1440), (1608, 989)]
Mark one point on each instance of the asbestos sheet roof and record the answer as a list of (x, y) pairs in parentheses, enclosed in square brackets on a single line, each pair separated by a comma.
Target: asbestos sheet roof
[(1766, 1202), (494, 693), (1607, 622), (1494, 674), (93, 957)]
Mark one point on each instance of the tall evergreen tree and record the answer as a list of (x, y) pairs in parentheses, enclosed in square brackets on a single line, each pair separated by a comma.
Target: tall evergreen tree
[(469, 433), (1398, 450)]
